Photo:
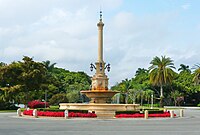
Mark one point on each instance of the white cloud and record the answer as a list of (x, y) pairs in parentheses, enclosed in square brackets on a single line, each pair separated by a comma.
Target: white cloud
[(186, 6), (65, 32)]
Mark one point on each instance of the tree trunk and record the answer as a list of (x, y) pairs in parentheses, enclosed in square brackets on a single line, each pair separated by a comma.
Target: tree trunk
[(161, 96), (141, 100), (161, 91), (126, 98), (134, 99)]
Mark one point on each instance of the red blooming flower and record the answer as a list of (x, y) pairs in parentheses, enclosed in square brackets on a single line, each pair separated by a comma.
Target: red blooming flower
[(60, 114), (37, 104), (138, 115)]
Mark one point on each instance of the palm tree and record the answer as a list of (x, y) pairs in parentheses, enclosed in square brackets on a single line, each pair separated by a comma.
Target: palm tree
[(134, 94), (48, 65), (184, 68), (49, 68), (175, 94), (2, 64), (161, 73), (196, 78), (148, 95), (140, 71), (126, 86)]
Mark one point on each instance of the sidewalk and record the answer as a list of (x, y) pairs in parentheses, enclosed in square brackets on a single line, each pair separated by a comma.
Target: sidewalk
[(183, 107)]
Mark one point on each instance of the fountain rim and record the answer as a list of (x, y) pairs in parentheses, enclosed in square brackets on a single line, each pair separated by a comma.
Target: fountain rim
[(99, 91)]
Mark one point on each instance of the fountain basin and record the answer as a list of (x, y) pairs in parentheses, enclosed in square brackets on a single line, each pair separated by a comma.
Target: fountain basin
[(101, 110), (99, 96)]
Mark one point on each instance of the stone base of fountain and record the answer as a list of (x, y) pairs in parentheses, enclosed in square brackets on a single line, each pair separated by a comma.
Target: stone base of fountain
[(99, 96), (100, 104), (102, 111)]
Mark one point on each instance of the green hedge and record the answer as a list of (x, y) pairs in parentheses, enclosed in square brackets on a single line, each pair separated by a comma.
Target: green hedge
[(154, 105), (157, 111), (60, 110), (151, 111), (7, 106), (127, 112), (50, 110)]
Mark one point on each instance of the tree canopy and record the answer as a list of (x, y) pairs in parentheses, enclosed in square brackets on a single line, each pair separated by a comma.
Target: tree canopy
[(26, 80)]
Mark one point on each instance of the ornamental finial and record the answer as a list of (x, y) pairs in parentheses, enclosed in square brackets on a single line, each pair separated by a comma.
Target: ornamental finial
[(100, 15)]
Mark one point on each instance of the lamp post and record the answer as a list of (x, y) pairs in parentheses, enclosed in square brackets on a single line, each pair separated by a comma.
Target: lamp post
[(45, 99), (151, 101), (92, 66)]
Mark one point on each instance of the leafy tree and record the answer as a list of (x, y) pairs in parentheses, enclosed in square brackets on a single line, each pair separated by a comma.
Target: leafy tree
[(22, 78), (175, 94), (73, 96), (58, 98), (141, 71), (33, 76), (134, 94), (10, 81), (196, 78), (161, 73), (2, 64)]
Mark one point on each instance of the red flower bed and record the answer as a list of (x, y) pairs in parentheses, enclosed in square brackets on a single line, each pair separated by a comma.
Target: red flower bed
[(37, 104), (90, 115), (138, 115), (59, 114), (28, 112), (51, 114)]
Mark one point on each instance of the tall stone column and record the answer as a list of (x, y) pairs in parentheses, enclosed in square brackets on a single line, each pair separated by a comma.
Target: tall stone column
[(100, 41), (100, 80)]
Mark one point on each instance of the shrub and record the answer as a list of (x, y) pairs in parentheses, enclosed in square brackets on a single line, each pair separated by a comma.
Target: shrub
[(154, 105), (50, 110), (73, 96), (61, 110), (198, 105), (37, 104), (151, 111), (126, 112), (58, 98), (7, 106)]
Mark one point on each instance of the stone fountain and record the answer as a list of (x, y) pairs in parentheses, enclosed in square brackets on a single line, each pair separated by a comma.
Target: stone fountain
[(99, 94)]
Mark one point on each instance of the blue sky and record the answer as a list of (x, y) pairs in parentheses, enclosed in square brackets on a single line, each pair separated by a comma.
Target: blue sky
[(65, 32)]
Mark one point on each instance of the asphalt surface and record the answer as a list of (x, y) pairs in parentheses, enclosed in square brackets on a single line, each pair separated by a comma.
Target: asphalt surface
[(10, 124)]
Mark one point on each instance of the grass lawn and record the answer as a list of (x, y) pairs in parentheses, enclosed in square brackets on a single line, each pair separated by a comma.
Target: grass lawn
[(174, 108), (7, 111), (145, 107), (54, 107)]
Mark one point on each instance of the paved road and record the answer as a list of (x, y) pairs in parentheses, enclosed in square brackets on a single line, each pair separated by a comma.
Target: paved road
[(189, 125)]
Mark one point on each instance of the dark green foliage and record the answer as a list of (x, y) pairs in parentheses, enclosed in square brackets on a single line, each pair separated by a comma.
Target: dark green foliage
[(61, 110), (58, 98), (151, 111), (182, 86), (7, 106), (50, 110), (28, 80), (126, 112)]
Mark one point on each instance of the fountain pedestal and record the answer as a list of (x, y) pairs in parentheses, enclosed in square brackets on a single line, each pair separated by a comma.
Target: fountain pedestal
[(99, 96)]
